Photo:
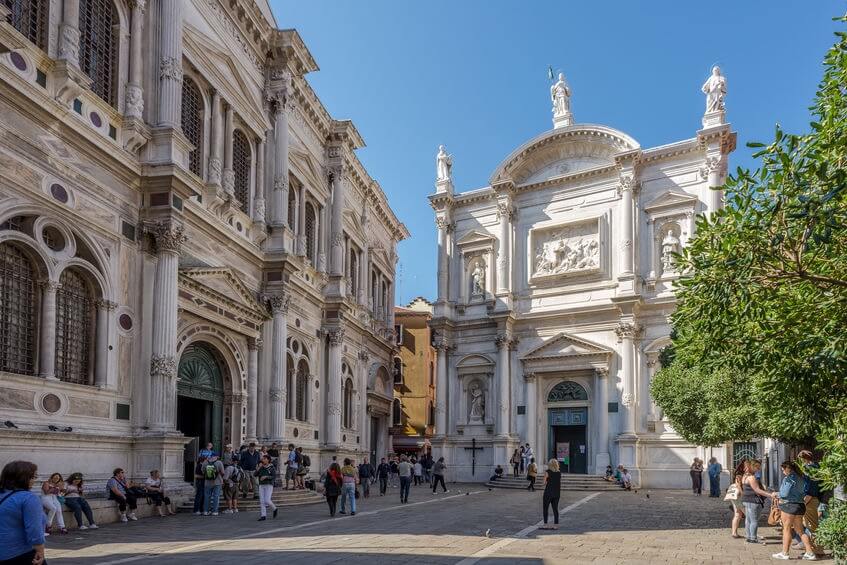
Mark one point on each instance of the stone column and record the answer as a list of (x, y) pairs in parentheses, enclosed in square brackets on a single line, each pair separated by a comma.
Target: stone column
[(69, 33), (601, 404), (170, 63), (163, 363), (279, 308), (279, 198), (253, 346), (337, 249), (503, 385), (134, 107), (333, 391), (216, 137), (443, 265), (364, 276), (504, 214), (531, 410), (47, 344), (228, 174), (101, 355), (259, 195), (301, 222), (441, 346), (712, 171), (627, 333), (626, 215)]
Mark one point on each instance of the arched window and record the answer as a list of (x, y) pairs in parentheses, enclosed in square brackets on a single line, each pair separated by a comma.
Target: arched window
[(292, 206), (311, 225), (398, 370), (18, 316), (302, 391), (347, 410), (565, 391), (289, 387), (74, 328), (30, 17), (354, 272), (396, 414), (241, 157), (192, 122), (98, 46)]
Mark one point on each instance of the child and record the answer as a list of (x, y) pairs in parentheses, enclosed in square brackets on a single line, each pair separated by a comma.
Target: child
[(418, 472)]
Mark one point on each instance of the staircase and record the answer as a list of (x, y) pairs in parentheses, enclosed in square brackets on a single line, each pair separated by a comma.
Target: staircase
[(281, 497), (569, 482)]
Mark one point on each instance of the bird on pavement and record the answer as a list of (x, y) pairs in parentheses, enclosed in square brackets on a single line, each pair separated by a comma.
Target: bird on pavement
[(9, 424)]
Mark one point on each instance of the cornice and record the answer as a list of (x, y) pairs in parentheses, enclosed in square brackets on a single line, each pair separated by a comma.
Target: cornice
[(244, 23)]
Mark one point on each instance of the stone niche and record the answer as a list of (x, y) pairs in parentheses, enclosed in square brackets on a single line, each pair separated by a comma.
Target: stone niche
[(565, 249)]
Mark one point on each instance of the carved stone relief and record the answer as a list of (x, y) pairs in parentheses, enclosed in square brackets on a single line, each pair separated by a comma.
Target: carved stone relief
[(566, 250)]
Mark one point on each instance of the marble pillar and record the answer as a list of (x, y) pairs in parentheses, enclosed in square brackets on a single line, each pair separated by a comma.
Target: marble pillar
[(228, 180), (163, 363), (69, 33), (216, 137), (134, 102), (531, 410), (170, 63), (627, 333), (259, 191), (364, 279), (601, 409), (336, 229), (503, 412), (504, 214), (712, 170), (443, 277), (253, 347), (279, 309), (333, 392), (301, 222), (322, 237), (441, 385), (279, 196), (101, 354), (47, 344), (627, 212)]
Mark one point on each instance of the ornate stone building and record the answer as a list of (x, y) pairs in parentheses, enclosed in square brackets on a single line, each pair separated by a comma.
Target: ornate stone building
[(189, 246), (554, 293)]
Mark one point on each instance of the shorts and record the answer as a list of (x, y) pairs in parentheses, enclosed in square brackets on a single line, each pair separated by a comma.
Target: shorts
[(738, 505), (289, 473), (793, 508)]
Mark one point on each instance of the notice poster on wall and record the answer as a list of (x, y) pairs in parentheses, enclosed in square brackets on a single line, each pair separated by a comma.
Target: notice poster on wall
[(563, 453)]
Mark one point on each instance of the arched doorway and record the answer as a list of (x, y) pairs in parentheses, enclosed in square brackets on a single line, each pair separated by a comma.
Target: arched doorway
[(567, 416), (200, 398)]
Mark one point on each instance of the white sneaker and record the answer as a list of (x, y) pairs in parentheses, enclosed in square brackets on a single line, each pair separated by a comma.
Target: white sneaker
[(123, 518), (781, 555), (809, 557), (93, 527), (198, 513), (133, 517), (214, 513), (235, 511), (83, 527), (227, 511), (207, 514)]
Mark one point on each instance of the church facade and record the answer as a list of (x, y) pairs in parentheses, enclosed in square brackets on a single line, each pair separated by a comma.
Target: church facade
[(555, 287), (190, 249)]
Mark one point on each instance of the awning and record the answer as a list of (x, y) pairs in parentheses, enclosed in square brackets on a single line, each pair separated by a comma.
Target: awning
[(410, 442)]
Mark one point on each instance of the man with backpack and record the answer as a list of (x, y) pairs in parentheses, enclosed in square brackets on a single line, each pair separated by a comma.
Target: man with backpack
[(233, 475), (291, 467), (303, 463), (199, 485), (213, 474), (366, 473)]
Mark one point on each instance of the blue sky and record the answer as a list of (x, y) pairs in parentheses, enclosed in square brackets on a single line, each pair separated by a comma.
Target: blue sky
[(472, 74)]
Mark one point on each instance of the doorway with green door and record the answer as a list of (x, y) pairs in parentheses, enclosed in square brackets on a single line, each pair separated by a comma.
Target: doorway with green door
[(567, 427)]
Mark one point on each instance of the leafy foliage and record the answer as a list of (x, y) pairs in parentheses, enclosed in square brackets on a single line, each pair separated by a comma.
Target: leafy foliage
[(760, 341), (832, 532)]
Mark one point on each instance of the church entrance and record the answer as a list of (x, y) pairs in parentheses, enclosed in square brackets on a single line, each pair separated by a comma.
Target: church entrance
[(567, 432), (200, 398)]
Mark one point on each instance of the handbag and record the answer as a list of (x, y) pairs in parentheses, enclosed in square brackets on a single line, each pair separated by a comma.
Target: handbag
[(731, 492), (774, 514)]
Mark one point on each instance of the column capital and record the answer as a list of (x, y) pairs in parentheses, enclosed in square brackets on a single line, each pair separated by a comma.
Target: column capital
[(49, 285), (601, 372), (503, 340), (628, 330), (440, 342), (279, 302), (169, 236), (710, 165), (505, 210), (364, 355), (336, 335), (140, 5), (529, 377), (255, 343), (628, 183), (163, 366)]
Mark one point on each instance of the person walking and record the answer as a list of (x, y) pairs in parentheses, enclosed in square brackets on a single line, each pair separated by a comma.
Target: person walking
[(523, 461), (349, 478), (393, 465), (119, 491), (753, 498), (792, 509), (515, 461), (714, 469), (438, 471), (531, 473), (76, 503), (696, 472), (382, 472), (51, 490), (528, 455), (21, 516), (366, 473), (734, 494), (213, 473), (233, 475), (332, 487), (265, 474), (552, 492), (417, 470), (199, 485), (156, 493), (404, 470), (811, 497), (249, 462), (427, 462)]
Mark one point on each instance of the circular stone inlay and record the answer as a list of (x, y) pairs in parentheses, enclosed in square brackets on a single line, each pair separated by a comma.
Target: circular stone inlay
[(59, 193), (95, 119), (51, 403), (125, 320), (18, 61)]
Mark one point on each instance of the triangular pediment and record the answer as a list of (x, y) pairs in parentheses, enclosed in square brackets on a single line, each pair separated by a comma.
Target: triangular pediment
[(304, 165), (671, 199), (563, 346), (475, 236), (224, 285), (355, 224)]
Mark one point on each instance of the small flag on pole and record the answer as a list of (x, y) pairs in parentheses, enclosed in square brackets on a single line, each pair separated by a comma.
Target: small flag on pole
[(550, 72)]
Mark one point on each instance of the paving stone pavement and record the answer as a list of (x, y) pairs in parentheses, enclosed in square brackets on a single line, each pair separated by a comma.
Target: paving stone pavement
[(609, 527)]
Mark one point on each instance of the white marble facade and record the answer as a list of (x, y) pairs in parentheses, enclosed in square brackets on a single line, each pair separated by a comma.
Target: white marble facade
[(237, 261), (573, 240)]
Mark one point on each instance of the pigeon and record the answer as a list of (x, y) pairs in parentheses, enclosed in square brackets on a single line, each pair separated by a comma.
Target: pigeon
[(10, 424), (488, 533), (68, 429), (52, 428), (648, 495)]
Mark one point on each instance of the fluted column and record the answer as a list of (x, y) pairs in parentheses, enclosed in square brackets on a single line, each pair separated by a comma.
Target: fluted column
[(364, 279), (163, 363), (333, 393), (279, 308), (337, 237), (170, 63), (321, 231), (712, 171), (601, 457), (627, 333), (216, 138), (253, 347), (531, 411), (228, 174), (443, 277), (279, 198), (47, 345), (504, 213), (259, 194), (69, 32), (503, 386), (626, 215), (101, 355), (134, 107), (301, 222), (441, 346)]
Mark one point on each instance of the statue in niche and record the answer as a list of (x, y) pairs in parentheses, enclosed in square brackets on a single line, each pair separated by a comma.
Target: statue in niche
[(476, 410), (560, 94), (478, 279), (715, 90), (443, 165), (670, 245), (562, 254)]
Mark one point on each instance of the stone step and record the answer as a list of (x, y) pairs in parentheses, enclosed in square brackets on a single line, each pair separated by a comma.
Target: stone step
[(588, 488), (280, 498)]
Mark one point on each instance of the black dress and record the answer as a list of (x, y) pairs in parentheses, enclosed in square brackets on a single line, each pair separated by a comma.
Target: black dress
[(552, 492)]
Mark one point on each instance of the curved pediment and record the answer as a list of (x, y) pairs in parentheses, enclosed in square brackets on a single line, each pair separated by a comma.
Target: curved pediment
[(563, 151)]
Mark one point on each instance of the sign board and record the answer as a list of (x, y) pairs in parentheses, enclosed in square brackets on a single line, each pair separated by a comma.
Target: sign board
[(563, 452)]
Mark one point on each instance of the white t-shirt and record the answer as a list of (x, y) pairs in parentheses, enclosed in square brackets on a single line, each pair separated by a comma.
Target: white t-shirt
[(418, 469), (151, 482)]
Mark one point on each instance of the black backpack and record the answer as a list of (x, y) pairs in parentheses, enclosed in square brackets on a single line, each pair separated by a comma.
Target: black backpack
[(306, 461)]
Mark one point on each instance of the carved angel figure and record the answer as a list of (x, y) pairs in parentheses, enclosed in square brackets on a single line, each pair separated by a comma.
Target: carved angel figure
[(477, 404)]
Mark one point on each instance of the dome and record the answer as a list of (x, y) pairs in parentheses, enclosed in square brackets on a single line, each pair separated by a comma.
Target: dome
[(563, 151)]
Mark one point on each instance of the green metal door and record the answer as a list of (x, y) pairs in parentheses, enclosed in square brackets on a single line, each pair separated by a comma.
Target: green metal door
[(200, 378)]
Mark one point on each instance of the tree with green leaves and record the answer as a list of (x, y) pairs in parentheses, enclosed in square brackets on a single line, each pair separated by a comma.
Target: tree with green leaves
[(760, 330)]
